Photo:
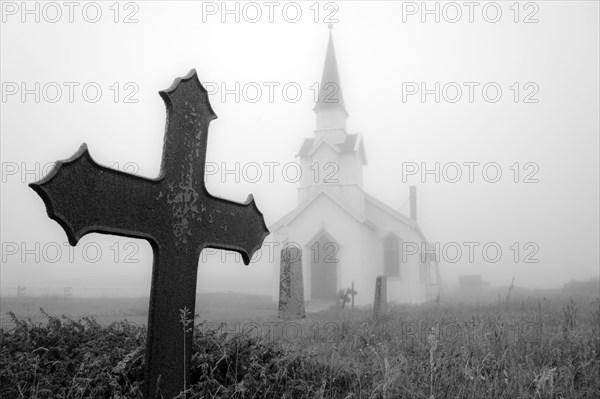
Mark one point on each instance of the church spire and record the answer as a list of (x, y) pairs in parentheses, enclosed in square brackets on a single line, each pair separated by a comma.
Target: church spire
[(330, 109), (330, 91)]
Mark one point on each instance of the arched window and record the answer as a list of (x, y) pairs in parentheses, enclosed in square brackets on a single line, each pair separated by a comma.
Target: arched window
[(391, 256)]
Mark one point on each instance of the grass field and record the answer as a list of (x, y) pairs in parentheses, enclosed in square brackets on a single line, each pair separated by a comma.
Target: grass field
[(531, 347), (210, 306)]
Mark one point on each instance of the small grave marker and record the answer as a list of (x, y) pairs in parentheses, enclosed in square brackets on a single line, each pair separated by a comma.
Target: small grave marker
[(347, 296), (174, 212), (380, 303)]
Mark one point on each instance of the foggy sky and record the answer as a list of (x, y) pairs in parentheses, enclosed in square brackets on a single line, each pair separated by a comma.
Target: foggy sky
[(376, 51)]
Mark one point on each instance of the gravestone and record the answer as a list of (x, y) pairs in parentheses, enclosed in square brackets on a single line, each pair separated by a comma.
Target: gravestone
[(291, 285), (174, 212), (380, 303)]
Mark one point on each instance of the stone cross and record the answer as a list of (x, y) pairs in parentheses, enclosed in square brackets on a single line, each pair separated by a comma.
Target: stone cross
[(342, 298), (380, 304), (347, 296), (174, 212), (291, 286), (352, 292)]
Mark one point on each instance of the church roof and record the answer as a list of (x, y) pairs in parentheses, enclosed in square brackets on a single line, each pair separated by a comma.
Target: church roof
[(352, 143), (398, 215), (307, 145), (390, 211), (330, 91)]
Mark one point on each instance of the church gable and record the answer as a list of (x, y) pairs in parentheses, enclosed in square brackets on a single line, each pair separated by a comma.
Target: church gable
[(353, 143), (309, 203), (324, 151), (342, 226)]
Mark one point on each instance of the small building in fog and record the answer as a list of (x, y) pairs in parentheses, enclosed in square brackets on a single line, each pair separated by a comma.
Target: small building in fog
[(345, 233)]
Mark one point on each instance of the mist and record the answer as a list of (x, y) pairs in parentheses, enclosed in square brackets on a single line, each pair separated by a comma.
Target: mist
[(495, 123)]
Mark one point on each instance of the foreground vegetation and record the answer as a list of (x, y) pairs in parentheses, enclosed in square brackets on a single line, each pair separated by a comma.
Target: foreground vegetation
[(528, 348)]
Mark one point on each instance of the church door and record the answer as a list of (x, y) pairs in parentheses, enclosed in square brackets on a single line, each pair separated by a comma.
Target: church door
[(324, 261)]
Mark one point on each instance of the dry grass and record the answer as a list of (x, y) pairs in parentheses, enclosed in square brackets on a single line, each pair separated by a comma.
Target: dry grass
[(536, 348)]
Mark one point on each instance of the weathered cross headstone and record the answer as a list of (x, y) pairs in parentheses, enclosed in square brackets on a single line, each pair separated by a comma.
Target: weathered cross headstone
[(174, 212), (291, 286), (380, 303)]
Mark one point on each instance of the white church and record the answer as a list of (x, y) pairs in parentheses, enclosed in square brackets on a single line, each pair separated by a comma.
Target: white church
[(345, 234)]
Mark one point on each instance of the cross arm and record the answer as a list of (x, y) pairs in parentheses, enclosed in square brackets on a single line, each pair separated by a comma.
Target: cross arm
[(83, 197), (235, 226)]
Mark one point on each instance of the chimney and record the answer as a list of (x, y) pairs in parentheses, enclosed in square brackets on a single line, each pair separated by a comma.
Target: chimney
[(413, 203)]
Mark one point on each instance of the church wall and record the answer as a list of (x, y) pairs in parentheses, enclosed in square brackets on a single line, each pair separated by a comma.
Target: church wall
[(350, 168), (322, 168), (372, 266), (356, 265), (318, 172), (304, 183), (276, 253), (408, 288)]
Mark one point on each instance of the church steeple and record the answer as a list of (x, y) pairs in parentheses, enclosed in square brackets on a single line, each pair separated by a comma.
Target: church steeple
[(330, 91), (331, 146), (330, 109)]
